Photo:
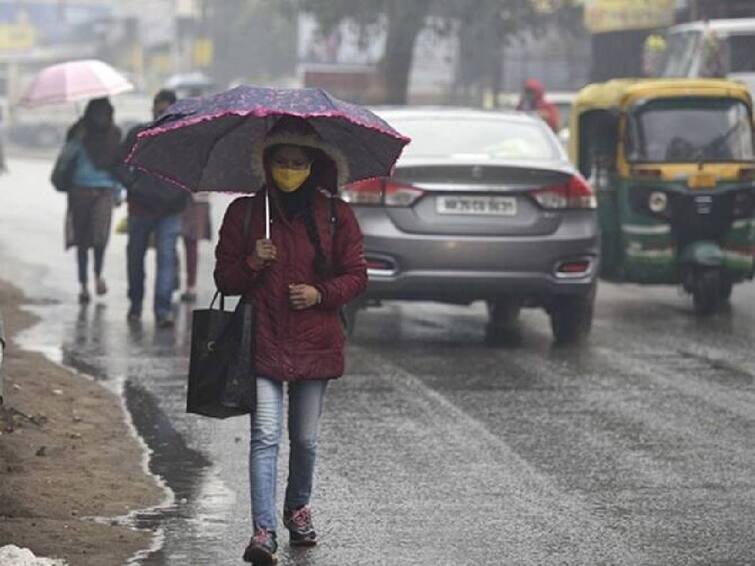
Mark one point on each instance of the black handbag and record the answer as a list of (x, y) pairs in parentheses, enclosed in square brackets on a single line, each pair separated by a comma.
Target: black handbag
[(63, 172), (221, 369)]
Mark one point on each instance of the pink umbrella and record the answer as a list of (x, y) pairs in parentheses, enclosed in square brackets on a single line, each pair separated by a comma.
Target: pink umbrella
[(74, 81)]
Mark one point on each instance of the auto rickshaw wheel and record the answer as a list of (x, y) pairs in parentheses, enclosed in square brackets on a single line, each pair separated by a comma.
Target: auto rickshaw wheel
[(571, 317), (708, 292)]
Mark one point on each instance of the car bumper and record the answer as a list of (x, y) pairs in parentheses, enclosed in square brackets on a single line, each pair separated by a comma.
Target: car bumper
[(471, 286), (465, 269)]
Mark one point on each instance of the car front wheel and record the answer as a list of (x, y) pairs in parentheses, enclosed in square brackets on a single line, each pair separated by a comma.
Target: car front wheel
[(571, 317)]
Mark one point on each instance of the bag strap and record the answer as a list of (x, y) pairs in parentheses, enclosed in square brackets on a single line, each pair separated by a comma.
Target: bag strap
[(245, 237), (333, 219), (247, 220)]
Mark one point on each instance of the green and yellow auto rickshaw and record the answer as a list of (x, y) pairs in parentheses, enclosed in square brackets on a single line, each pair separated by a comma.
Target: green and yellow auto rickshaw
[(673, 166)]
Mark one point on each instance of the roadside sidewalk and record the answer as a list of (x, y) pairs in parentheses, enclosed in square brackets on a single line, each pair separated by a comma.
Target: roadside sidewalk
[(66, 455)]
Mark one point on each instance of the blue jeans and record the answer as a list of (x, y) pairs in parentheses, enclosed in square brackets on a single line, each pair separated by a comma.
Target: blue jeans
[(166, 230), (305, 402)]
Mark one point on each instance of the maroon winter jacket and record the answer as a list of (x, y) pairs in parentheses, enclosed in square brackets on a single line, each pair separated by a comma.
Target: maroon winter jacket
[(293, 345)]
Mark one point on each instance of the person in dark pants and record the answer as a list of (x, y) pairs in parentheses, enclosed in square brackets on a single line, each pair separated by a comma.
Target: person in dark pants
[(195, 226), (92, 149), (154, 212)]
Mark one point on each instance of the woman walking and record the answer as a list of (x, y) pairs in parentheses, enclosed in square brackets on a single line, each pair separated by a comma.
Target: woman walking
[(91, 152), (299, 278)]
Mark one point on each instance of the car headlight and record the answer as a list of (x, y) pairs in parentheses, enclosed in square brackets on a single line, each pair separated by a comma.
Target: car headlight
[(658, 202)]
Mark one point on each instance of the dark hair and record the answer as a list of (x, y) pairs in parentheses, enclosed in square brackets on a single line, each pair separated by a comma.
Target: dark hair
[(97, 105), (101, 141), (322, 265), (165, 95)]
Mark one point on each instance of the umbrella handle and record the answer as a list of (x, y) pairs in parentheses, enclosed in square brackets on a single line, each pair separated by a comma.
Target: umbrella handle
[(267, 215)]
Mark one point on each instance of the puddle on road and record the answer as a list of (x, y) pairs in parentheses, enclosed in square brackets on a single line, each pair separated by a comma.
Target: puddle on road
[(145, 367)]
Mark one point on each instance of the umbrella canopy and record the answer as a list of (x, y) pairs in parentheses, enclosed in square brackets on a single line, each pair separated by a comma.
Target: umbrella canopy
[(74, 81), (213, 143)]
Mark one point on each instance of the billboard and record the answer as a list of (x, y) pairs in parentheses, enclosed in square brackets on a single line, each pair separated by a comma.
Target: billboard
[(24, 25), (618, 15)]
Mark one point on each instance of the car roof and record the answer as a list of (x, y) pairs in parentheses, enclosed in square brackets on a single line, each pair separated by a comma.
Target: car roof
[(435, 112), (733, 26)]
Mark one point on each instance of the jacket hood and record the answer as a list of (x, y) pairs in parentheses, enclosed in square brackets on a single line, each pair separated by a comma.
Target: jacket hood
[(331, 175), (535, 86)]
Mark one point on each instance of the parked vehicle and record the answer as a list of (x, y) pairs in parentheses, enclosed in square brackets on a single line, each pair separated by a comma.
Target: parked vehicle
[(712, 48), (673, 165), (482, 206)]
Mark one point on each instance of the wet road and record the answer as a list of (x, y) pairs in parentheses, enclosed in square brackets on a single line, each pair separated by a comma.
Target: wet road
[(636, 449)]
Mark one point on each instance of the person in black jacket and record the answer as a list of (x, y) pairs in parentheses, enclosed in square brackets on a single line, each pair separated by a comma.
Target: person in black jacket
[(154, 210)]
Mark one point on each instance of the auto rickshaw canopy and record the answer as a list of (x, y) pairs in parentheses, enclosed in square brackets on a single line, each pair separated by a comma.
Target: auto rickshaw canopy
[(604, 102)]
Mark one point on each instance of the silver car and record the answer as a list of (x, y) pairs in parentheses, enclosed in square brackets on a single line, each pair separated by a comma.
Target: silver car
[(481, 206)]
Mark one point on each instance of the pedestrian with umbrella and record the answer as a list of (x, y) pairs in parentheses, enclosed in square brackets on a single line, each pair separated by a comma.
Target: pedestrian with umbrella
[(86, 166), (301, 261), (89, 160)]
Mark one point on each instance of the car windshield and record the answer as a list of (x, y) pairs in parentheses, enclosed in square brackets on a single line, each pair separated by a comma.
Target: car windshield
[(690, 130), (680, 53), (486, 138)]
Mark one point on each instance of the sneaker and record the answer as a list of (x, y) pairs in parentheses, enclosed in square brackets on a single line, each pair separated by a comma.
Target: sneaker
[(134, 315), (262, 548), (188, 297), (101, 286), (165, 322), (84, 297), (300, 527)]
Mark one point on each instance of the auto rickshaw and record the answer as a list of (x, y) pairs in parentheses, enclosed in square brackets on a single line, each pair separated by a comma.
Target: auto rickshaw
[(673, 167)]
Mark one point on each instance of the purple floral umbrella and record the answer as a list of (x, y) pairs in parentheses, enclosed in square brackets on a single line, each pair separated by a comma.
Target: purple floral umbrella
[(207, 143)]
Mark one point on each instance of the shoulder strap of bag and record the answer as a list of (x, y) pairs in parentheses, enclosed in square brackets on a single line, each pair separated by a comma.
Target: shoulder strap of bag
[(245, 237), (247, 220), (333, 220)]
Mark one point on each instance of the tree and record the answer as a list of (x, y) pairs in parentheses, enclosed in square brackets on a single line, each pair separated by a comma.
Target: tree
[(253, 40), (403, 20), (494, 22)]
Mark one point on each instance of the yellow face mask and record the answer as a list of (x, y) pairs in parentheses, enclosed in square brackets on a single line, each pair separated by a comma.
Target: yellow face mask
[(290, 180)]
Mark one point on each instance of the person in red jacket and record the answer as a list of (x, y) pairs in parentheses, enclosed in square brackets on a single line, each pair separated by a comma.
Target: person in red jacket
[(311, 265), (533, 100)]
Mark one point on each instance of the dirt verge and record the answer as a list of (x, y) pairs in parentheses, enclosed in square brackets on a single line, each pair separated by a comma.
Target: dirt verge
[(66, 455)]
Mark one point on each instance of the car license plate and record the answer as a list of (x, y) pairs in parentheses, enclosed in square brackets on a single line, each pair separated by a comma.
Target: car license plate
[(485, 206)]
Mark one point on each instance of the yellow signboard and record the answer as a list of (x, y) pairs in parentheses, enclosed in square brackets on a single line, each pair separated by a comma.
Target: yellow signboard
[(204, 51), (617, 15), (17, 37)]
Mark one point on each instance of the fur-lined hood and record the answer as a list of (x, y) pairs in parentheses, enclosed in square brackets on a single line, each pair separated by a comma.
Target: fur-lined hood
[(306, 140)]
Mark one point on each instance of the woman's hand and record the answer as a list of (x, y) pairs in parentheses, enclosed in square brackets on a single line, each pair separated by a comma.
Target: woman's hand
[(265, 252), (303, 297)]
